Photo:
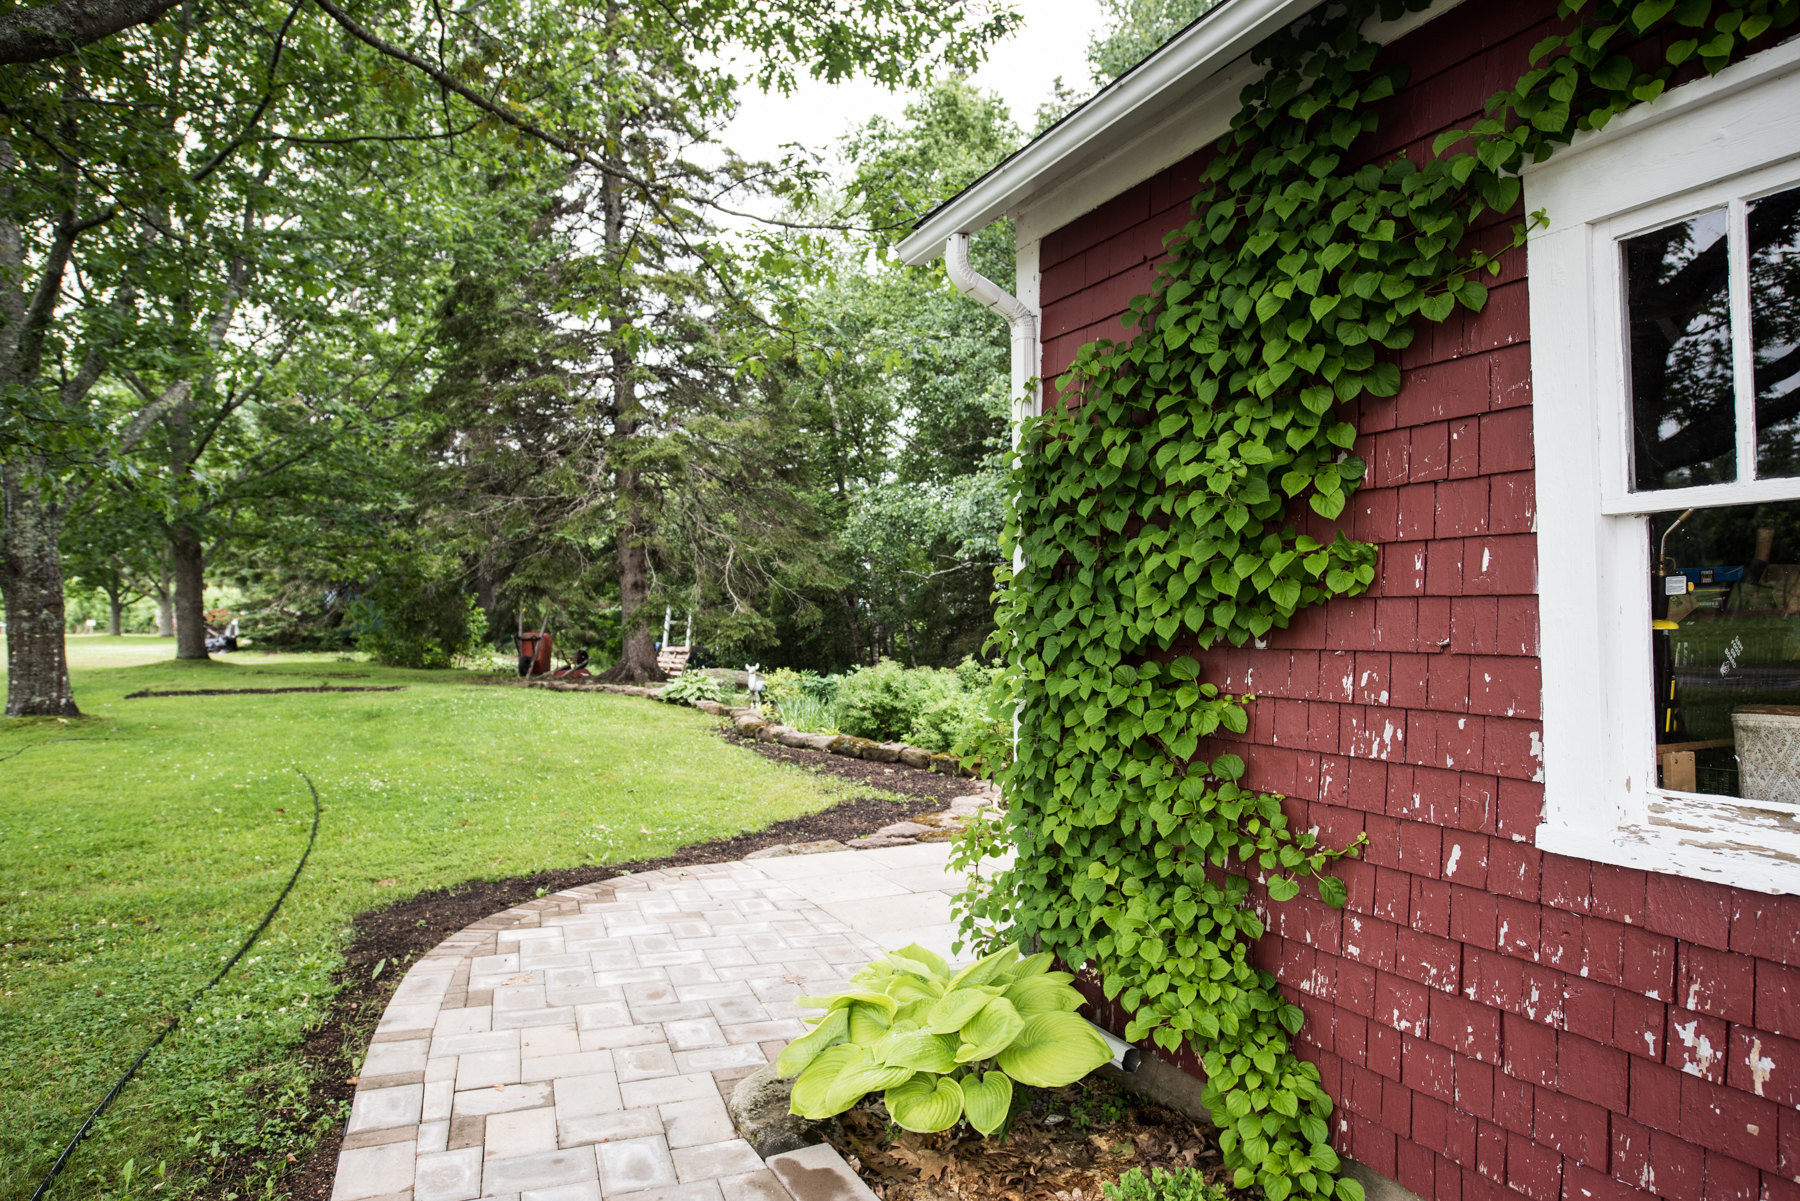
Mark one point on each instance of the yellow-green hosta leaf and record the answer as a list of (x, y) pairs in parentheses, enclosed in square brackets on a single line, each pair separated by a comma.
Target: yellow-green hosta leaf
[(984, 969), (796, 1055), (904, 988), (860, 1075), (881, 1001), (1041, 994), (813, 1091), (918, 1012), (1053, 1049), (988, 1100), (920, 1050), (955, 1008), (867, 1023), (925, 1104), (1031, 965), (989, 1031), (930, 960)]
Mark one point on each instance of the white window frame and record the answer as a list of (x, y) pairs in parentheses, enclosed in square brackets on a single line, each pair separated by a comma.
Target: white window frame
[(1709, 142)]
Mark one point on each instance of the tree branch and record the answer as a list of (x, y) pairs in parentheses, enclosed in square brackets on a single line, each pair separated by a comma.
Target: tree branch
[(30, 35)]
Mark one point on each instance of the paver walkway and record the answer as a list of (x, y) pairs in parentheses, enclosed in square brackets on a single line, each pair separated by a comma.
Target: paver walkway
[(582, 1045)]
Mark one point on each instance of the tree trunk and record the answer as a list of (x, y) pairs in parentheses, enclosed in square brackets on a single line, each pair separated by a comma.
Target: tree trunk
[(637, 657), (165, 602), (637, 650), (190, 594), (37, 664), (115, 621)]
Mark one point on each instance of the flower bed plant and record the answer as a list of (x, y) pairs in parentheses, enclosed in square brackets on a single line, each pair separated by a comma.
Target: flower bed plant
[(942, 1045)]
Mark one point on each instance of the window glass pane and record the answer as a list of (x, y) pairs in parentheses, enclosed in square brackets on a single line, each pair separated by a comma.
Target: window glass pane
[(1775, 327), (1682, 405), (1725, 610)]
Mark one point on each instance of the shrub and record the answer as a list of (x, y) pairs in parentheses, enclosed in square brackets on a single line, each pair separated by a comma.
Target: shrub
[(404, 621), (1182, 1184), (922, 1033), (692, 686), (882, 702), (949, 721)]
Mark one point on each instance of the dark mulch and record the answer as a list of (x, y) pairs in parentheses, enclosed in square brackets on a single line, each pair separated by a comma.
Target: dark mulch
[(402, 932), (890, 777), (132, 696), (1063, 1145)]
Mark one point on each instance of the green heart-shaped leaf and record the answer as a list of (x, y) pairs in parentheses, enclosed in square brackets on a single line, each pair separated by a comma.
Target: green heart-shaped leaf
[(925, 1104), (1053, 1049), (990, 1031), (796, 1055), (813, 1090), (920, 1050), (988, 1100)]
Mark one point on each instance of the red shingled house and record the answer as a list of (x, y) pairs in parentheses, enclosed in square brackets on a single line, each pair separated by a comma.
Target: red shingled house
[(1566, 712)]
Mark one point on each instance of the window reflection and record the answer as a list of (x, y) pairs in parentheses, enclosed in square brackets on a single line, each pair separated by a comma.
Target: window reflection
[(1726, 630), (1774, 227), (1678, 304)]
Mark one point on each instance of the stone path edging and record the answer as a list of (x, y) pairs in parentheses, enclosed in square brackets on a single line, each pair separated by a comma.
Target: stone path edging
[(583, 1045)]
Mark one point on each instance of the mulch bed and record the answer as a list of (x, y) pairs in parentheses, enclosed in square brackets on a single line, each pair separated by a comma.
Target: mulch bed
[(1064, 1143), (132, 696), (890, 777), (402, 932)]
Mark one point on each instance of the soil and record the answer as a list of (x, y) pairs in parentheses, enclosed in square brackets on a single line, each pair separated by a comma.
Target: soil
[(393, 937), (1063, 1145), (132, 696)]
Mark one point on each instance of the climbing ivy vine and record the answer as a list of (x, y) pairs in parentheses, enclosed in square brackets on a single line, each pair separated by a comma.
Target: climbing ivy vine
[(1153, 516)]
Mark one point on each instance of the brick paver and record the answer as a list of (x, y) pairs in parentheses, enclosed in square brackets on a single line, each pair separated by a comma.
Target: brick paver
[(581, 1045)]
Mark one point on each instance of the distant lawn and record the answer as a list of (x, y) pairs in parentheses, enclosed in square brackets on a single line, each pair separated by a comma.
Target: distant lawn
[(130, 868)]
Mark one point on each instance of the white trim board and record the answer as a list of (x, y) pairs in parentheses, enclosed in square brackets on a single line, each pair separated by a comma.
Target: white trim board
[(1737, 132), (1172, 104)]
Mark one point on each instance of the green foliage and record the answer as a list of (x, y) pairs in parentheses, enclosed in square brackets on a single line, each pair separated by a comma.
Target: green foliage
[(1135, 30), (923, 1032), (692, 686), (1152, 517), (1182, 1184), (406, 621), (884, 701)]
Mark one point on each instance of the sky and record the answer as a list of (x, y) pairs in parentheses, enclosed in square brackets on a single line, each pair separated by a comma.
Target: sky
[(1053, 41)]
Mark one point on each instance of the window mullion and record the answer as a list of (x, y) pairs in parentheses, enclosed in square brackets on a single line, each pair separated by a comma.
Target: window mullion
[(1743, 356)]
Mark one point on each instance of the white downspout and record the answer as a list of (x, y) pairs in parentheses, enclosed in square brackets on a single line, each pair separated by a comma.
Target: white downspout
[(1019, 315), (1025, 387)]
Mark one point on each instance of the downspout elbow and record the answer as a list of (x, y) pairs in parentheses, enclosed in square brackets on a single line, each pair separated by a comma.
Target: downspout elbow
[(985, 291)]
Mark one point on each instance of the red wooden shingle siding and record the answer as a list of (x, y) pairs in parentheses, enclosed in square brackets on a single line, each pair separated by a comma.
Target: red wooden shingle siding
[(1489, 1017)]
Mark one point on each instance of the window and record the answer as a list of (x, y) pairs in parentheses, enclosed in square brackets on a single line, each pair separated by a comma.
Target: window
[(1665, 300)]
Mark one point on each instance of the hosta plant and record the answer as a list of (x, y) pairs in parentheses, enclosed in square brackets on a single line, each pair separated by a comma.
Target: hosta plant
[(942, 1044)]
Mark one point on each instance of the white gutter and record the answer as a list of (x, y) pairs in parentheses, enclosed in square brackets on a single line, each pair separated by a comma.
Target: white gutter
[(1021, 316), (1177, 73)]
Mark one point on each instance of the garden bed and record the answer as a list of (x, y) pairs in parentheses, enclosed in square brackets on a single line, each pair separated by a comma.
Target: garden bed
[(1063, 1145)]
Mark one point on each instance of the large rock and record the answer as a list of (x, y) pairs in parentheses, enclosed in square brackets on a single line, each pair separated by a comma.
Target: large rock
[(817, 742), (848, 745), (770, 732), (946, 765), (915, 756), (879, 752), (759, 1110)]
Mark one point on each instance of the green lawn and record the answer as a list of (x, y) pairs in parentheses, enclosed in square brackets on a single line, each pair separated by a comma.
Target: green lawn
[(130, 868)]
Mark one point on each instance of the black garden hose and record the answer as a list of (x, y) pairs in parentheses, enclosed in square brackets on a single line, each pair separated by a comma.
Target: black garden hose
[(43, 1188)]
